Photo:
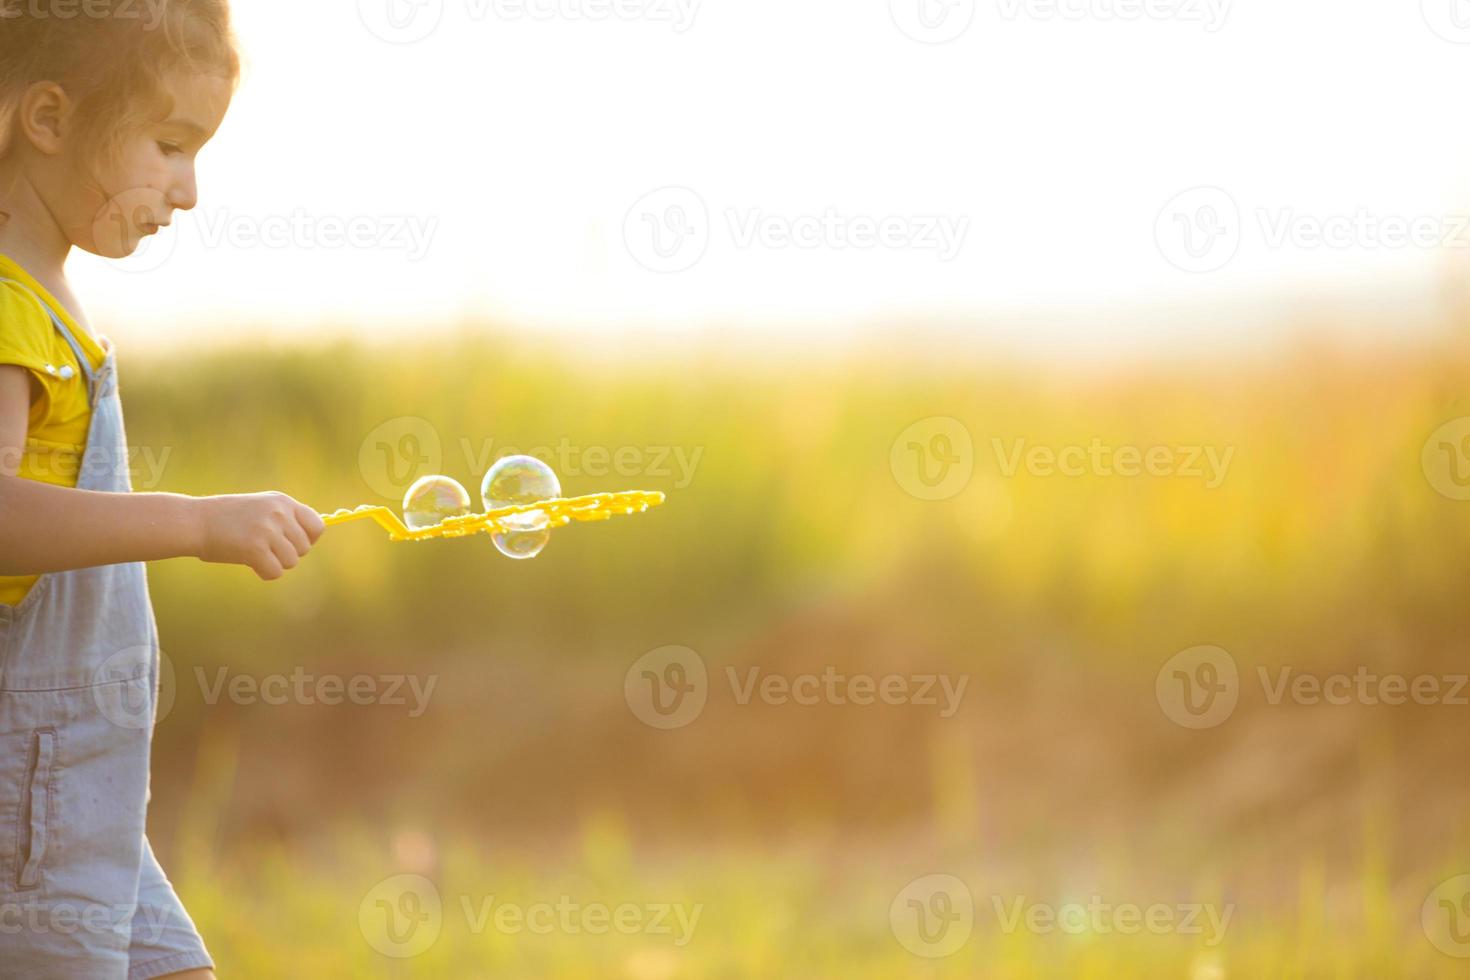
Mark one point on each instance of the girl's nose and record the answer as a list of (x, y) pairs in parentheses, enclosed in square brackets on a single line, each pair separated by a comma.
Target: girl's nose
[(183, 195)]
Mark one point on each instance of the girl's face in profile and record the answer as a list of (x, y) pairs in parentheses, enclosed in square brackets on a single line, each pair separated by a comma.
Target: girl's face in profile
[(153, 175)]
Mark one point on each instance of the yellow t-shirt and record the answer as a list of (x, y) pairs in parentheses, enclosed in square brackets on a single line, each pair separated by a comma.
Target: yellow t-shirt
[(56, 431)]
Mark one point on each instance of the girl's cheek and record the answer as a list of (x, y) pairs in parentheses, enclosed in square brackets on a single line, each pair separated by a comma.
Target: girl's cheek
[(142, 167)]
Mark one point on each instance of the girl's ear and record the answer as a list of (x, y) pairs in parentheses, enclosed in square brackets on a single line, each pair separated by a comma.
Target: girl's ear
[(44, 117)]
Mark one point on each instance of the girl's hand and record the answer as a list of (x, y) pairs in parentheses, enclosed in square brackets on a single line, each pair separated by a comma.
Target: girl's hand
[(270, 532)]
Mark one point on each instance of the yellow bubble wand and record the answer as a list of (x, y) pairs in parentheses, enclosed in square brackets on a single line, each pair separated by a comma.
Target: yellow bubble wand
[(557, 512)]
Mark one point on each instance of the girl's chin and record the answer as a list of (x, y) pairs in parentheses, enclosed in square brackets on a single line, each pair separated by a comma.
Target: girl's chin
[(113, 249)]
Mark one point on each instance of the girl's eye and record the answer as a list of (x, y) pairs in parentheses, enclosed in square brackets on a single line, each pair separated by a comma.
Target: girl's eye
[(169, 149)]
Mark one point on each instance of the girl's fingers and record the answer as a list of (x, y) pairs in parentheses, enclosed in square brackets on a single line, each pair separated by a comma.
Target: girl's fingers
[(285, 553), (311, 522), (267, 567), (297, 536)]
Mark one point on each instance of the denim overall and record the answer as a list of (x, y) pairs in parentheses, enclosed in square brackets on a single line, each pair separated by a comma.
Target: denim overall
[(81, 895)]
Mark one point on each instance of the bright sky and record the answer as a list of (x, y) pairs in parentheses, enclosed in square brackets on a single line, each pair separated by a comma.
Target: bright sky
[(829, 162)]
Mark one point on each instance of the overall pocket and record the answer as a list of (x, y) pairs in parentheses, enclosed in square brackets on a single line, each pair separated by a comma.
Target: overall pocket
[(35, 809)]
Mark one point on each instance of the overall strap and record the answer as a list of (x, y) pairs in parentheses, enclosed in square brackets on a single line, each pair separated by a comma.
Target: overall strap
[(82, 358)]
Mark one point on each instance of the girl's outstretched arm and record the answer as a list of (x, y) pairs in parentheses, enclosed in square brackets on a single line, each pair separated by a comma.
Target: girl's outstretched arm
[(45, 528)]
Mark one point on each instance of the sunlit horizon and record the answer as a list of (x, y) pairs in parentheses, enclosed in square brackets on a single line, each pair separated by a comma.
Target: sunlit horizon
[(856, 177)]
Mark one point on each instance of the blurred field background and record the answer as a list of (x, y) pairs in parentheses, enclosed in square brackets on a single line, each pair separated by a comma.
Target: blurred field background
[(794, 548)]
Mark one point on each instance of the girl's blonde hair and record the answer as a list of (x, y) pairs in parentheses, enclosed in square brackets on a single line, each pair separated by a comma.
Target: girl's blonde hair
[(111, 59)]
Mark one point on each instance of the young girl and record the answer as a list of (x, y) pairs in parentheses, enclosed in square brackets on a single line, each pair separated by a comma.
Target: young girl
[(102, 113)]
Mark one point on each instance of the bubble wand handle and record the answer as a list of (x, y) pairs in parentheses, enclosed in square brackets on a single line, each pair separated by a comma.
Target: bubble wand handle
[(559, 513)]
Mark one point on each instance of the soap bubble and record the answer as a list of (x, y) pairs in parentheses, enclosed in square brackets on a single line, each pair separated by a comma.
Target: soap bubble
[(520, 480), (432, 499)]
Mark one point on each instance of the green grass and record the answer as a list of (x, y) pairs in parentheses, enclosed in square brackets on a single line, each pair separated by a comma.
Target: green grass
[(794, 548), (764, 914)]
